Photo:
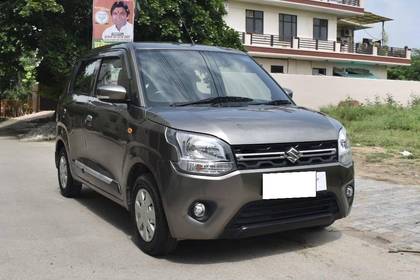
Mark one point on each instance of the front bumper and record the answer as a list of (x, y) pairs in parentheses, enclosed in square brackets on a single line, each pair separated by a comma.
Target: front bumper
[(231, 193)]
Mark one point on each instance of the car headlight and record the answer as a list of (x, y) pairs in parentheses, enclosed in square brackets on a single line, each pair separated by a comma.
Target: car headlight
[(201, 154), (344, 148)]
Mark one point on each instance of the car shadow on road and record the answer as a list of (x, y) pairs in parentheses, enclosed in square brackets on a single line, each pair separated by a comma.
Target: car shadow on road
[(106, 209), (215, 251), (219, 251)]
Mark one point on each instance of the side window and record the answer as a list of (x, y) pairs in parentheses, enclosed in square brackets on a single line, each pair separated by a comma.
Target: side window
[(288, 27), (320, 29), (113, 73), (254, 21), (277, 69), (319, 71), (85, 78)]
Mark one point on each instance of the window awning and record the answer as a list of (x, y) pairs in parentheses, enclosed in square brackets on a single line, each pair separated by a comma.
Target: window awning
[(366, 18), (352, 25)]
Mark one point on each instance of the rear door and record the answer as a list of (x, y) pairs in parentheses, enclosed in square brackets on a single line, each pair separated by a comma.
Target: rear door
[(75, 110), (107, 135)]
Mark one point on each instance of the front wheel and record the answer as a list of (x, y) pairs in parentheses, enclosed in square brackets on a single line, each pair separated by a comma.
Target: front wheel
[(68, 186), (151, 229)]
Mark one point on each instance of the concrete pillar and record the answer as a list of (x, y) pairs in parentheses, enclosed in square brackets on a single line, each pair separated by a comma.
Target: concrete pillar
[(296, 43), (337, 47), (35, 99), (375, 50), (247, 39), (408, 53)]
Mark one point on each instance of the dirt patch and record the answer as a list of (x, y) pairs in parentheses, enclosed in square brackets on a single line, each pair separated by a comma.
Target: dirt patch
[(44, 132), (379, 164), (35, 127)]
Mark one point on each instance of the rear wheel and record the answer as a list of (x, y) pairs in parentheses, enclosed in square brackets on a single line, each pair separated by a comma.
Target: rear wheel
[(68, 186), (151, 228)]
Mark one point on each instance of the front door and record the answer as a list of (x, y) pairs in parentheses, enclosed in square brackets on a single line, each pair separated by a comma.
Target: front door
[(107, 134), (75, 111)]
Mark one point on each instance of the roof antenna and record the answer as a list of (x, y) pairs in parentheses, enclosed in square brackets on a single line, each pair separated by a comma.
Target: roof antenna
[(186, 30)]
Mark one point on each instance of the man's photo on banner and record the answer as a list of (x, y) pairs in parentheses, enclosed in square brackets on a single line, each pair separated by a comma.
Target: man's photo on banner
[(112, 22), (121, 29)]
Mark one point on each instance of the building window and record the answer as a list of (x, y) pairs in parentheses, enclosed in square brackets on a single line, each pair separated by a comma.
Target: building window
[(254, 21), (353, 72), (288, 27), (319, 71), (320, 29), (277, 69)]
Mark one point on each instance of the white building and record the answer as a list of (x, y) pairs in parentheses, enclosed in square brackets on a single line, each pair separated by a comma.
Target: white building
[(314, 37)]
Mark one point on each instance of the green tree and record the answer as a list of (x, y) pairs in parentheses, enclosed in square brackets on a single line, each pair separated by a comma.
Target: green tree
[(59, 31), (411, 73), (160, 20), (65, 37), (20, 30)]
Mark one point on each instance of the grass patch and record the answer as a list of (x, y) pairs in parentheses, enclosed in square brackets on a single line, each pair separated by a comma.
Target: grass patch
[(2, 119), (388, 125)]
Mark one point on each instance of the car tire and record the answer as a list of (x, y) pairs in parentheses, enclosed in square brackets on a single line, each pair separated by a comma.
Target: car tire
[(68, 186), (152, 233)]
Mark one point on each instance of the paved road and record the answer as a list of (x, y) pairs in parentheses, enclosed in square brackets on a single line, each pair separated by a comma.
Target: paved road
[(44, 236), (388, 211)]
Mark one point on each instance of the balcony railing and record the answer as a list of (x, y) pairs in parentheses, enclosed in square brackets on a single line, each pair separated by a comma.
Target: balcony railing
[(357, 48), (391, 51), (372, 50), (274, 41), (305, 43), (343, 2), (271, 40)]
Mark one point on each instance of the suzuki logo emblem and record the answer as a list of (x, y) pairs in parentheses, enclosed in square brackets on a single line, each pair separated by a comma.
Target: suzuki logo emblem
[(293, 155)]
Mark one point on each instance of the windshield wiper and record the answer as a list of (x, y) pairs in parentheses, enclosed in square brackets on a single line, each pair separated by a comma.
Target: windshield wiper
[(275, 102), (215, 100)]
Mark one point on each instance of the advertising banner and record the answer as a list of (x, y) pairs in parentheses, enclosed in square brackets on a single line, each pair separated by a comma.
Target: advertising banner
[(112, 22)]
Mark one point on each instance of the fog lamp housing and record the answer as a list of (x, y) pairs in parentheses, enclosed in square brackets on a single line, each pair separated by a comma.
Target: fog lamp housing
[(199, 210), (349, 191)]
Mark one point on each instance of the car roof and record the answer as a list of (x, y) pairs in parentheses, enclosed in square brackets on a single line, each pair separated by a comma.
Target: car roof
[(159, 46)]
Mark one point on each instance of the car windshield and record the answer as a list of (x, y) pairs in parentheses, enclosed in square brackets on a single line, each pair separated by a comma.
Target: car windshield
[(181, 77)]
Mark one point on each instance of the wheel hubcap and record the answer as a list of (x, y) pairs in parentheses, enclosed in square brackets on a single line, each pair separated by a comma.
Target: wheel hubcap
[(63, 172), (145, 215)]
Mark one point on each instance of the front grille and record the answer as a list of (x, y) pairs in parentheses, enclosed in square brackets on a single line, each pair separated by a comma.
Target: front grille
[(262, 212), (262, 156)]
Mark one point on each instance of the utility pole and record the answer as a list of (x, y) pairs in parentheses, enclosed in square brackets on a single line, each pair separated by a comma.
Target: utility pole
[(383, 34)]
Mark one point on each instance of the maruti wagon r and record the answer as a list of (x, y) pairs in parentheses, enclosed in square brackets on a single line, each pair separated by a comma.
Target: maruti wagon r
[(198, 142)]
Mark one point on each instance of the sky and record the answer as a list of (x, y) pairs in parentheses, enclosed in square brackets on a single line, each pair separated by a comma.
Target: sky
[(404, 30)]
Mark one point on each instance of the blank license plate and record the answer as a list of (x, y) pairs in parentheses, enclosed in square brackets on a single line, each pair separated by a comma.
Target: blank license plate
[(293, 185)]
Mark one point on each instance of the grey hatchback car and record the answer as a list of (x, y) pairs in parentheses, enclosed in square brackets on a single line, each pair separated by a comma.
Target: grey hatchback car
[(198, 142)]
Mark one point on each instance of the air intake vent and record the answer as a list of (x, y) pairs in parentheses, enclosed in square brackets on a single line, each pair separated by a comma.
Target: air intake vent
[(262, 212)]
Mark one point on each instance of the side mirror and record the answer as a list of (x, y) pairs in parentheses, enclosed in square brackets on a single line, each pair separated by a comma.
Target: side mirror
[(111, 93), (289, 92)]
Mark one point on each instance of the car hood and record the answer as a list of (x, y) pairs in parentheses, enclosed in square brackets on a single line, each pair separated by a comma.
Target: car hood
[(250, 125)]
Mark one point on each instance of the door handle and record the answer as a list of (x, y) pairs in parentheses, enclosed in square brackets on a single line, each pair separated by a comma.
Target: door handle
[(88, 120)]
